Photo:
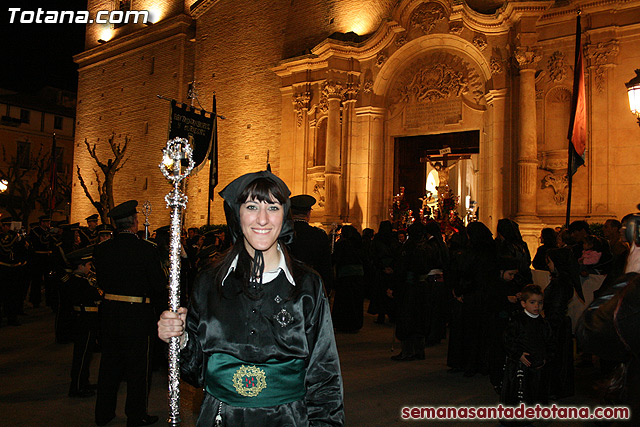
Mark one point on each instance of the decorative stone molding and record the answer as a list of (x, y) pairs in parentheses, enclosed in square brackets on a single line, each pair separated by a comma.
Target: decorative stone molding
[(380, 60), (527, 57), (480, 42), (401, 41), (558, 68), (456, 27), (427, 15), (300, 103), (436, 77), (559, 184), (495, 64), (601, 55), (554, 161)]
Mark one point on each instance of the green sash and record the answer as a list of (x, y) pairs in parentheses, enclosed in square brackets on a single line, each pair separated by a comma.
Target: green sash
[(254, 385)]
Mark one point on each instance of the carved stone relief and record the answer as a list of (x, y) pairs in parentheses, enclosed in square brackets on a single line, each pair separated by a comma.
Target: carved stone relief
[(381, 59), (559, 96), (527, 56), (480, 42), (439, 76), (427, 15), (558, 68), (601, 55), (319, 190), (401, 41), (559, 184), (367, 86), (495, 64), (301, 103), (333, 89), (351, 91)]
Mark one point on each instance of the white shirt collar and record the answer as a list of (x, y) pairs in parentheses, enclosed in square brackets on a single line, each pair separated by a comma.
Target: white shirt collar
[(533, 316), (267, 276)]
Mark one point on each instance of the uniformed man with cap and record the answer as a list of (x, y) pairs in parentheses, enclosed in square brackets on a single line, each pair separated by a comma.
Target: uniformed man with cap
[(128, 270), (310, 244), (84, 298), (89, 234), (41, 242), (11, 264), (105, 232)]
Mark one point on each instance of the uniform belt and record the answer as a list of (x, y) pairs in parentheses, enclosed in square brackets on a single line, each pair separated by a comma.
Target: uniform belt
[(80, 308), (6, 264), (43, 252), (127, 298)]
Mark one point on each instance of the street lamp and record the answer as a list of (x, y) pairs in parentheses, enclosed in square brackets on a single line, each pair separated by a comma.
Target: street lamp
[(633, 88)]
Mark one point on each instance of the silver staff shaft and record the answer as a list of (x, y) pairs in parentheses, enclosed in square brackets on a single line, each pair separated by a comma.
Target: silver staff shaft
[(177, 149)]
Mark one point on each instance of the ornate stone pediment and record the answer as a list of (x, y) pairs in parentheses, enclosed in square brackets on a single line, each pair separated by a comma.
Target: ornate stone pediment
[(427, 15), (439, 76)]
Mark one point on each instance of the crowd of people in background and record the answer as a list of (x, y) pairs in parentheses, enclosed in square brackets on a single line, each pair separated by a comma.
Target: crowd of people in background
[(504, 319)]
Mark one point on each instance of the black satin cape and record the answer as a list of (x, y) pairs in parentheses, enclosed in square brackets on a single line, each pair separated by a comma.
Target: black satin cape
[(247, 329)]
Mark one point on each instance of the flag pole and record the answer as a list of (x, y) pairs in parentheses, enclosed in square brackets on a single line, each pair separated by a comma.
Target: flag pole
[(570, 185), (213, 157)]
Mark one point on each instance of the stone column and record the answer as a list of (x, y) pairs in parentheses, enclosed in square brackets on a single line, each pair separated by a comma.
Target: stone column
[(527, 163), (527, 146), (334, 93)]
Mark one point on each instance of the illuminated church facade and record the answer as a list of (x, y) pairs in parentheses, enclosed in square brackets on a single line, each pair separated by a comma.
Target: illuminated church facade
[(352, 100)]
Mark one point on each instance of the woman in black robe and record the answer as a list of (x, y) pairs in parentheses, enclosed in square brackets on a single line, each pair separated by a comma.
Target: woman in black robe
[(384, 251), (556, 301), (349, 284), (510, 244), (478, 272), (259, 337)]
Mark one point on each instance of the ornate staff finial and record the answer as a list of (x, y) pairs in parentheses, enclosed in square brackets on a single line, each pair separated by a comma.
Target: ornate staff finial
[(176, 151), (146, 211)]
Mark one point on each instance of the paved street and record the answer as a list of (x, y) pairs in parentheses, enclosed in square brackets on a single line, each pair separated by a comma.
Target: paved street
[(34, 374)]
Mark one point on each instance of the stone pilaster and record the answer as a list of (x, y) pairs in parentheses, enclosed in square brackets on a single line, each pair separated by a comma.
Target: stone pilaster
[(496, 99), (334, 93)]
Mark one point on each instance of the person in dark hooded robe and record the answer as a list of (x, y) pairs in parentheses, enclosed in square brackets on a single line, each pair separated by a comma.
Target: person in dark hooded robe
[(258, 335), (348, 259), (385, 251), (556, 301), (478, 272), (510, 244)]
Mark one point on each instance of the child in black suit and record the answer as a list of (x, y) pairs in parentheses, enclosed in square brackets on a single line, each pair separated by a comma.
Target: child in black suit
[(528, 344)]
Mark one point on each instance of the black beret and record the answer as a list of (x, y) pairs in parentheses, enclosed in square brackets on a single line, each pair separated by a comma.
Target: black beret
[(80, 256), (303, 202), (124, 210), (72, 227), (93, 217)]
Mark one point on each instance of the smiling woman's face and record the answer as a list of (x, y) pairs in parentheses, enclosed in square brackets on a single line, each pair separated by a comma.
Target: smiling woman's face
[(261, 223)]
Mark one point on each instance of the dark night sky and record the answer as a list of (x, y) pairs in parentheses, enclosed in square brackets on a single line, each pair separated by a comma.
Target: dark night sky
[(36, 55)]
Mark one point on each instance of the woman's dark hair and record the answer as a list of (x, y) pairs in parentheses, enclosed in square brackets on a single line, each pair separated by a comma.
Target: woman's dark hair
[(549, 237)]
